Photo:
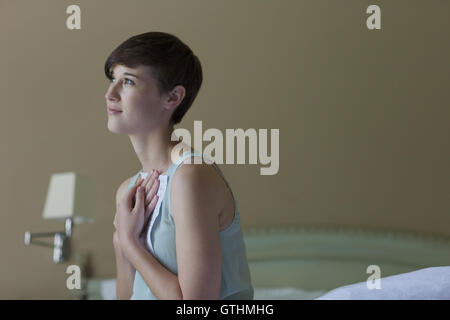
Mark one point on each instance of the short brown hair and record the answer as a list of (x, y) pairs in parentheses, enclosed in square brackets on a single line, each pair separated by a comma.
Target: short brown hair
[(172, 63)]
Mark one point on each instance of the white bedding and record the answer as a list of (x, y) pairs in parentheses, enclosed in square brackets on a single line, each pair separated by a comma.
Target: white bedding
[(425, 284)]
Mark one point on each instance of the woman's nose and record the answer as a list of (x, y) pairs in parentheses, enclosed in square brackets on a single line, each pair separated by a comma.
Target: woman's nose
[(111, 94)]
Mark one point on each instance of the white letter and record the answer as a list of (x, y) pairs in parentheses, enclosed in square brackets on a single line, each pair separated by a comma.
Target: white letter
[(73, 281), (178, 150), (240, 135), (73, 21), (274, 151), (374, 21), (376, 284), (198, 142), (216, 146), (224, 309)]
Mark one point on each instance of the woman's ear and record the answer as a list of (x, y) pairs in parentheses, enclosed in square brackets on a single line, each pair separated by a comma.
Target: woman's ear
[(175, 97)]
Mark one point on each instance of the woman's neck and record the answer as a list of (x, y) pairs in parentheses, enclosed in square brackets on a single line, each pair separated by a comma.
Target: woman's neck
[(154, 150)]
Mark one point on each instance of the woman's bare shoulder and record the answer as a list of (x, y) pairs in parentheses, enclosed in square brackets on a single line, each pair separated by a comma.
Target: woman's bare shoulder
[(122, 189), (201, 172), (202, 181)]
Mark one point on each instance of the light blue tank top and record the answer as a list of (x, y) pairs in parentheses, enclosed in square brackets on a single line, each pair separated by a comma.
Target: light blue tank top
[(236, 280)]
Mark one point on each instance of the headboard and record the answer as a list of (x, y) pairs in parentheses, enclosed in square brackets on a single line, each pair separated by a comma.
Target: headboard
[(315, 258)]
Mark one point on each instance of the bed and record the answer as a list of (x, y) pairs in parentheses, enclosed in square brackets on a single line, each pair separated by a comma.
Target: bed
[(306, 263)]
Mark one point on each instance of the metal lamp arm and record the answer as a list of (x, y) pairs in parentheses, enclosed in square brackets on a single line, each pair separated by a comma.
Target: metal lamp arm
[(59, 240)]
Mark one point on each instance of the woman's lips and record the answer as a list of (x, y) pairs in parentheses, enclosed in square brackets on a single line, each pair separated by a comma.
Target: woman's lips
[(111, 111)]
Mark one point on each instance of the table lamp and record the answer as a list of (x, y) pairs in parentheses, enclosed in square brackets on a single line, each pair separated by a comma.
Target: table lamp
[(70, 198)]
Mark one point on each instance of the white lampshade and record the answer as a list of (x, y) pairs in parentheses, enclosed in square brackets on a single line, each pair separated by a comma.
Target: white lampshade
[(70, 195)]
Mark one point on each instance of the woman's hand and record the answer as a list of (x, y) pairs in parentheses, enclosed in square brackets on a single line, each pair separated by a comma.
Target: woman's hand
[(135, 209), (151, 185)]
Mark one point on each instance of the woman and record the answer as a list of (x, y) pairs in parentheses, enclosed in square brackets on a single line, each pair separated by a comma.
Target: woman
[(154, 80)]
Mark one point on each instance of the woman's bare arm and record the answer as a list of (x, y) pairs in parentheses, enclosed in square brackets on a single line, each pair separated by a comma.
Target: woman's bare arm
[(196, 206), (125, 272), (124, 269)]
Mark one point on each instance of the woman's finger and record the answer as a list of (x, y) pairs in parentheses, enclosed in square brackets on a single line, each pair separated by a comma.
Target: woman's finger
[(129, 199), (148, 185), (147, 179), (151, 206), (151, 179), (140, 198), (152, 192), (140, 180)]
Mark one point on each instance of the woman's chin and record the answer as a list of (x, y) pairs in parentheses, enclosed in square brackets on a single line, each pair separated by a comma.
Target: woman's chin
[(114, 128)]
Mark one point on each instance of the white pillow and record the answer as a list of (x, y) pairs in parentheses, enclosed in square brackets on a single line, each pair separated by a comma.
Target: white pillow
[(425, 284)]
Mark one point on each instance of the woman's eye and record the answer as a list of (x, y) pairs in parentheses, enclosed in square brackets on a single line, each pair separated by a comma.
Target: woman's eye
[(125, 81)]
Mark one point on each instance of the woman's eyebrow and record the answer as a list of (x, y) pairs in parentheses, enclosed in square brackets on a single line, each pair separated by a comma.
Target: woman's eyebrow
[(129, 74)]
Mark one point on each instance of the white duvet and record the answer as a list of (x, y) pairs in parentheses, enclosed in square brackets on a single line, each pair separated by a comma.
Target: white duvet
[(425, 284)]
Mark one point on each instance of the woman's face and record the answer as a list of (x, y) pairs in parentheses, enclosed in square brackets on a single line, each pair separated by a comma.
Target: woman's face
[(134, 92)]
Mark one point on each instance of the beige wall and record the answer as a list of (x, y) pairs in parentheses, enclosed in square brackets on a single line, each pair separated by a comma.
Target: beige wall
[(363, 115)]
